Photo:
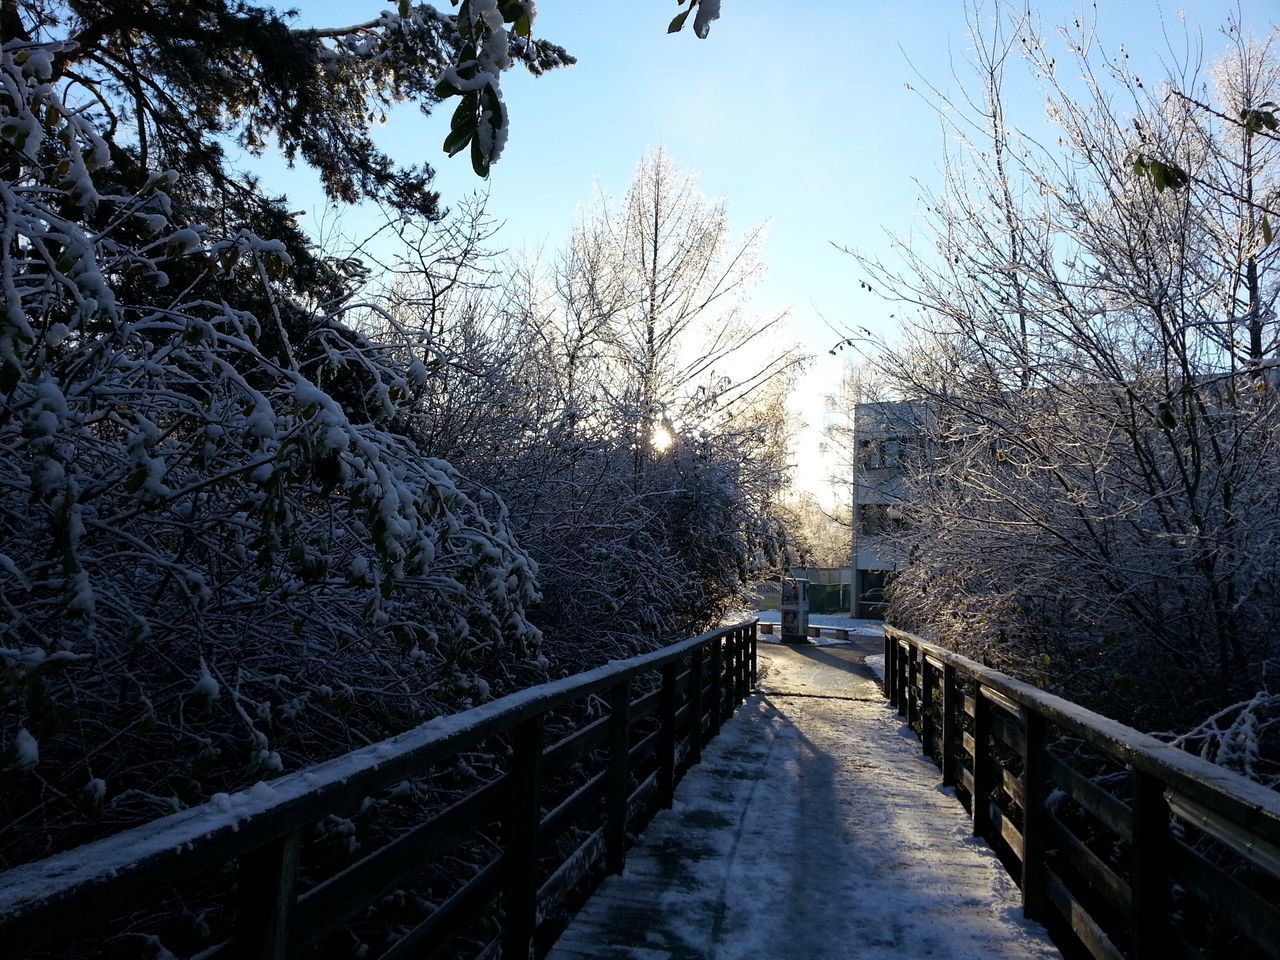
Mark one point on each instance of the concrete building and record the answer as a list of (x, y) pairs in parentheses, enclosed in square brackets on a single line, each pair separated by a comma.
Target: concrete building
[(887, 434)]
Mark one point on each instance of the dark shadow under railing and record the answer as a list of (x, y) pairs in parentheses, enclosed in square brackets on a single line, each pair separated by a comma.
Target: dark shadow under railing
[(569, 782)]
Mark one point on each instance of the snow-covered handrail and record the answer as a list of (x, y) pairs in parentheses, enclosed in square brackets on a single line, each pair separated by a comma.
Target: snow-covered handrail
[(1058, 790), (261, 828)]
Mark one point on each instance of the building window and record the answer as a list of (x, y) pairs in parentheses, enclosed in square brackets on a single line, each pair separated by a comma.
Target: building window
[(875, 519)]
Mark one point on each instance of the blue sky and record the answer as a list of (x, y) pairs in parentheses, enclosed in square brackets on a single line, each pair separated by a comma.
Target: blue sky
[(796, 113)]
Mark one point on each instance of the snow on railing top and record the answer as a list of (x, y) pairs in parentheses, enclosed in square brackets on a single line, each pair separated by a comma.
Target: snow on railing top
[(232, 824)]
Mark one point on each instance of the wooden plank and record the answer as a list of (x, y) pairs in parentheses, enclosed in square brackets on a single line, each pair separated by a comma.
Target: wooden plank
[(639, 797), (695, 706), (570, 872), (1008, 731), (1235, 798), (1001, 701), (667, 737), (1009, 784), (643, 706), (49, 901), (331, 903), (969, 705), (950, 723), (1096, 873), (1238, 838), (520, 840), (967, 741), (1112, 812), (567, 812), (1256, 918), (1006, 830), (1149, 867), (890, 670), (903, 662), (717, 687), (645, 748), (913, 688), (447, 918), (982, 781), (266, 892), (1086, 929), (1035, 792), (615, 833), (565, 751), (928, 676)]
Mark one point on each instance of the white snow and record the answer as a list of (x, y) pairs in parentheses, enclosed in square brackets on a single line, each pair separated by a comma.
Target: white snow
[(28, 749), (811, 830), (205, 686), (708, 10), (875, 663)]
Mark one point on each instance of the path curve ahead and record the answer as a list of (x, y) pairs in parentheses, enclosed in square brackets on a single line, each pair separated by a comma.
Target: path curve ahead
[(812, 829)]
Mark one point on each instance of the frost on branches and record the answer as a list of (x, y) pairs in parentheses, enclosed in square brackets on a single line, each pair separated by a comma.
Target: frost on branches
[(221, 552), (1091, 498)]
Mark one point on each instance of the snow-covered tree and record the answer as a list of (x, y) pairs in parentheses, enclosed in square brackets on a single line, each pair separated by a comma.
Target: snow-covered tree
[(221, 550), (1095, 351), (639, 535)]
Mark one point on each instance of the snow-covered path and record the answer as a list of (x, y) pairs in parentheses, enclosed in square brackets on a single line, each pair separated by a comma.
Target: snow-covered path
[(812, 829)]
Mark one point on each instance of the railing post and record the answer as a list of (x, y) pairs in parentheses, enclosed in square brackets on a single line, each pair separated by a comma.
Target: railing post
[(615, 829), (729, 684), (695, 705), (890, 669), (755, 663), (1035, 791), (266, 893), (927, 725), (981, 763), (717, 684), (914, 656), (950, 724), (667, 736), (901, 664), (520, 836), (1150, 868), (744, 664)]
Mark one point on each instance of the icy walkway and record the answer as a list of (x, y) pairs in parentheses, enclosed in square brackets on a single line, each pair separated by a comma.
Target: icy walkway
[(812, 829)]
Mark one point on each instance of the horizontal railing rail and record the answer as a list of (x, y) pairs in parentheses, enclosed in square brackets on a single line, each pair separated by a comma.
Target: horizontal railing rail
[(1122, 845), (539, 829)]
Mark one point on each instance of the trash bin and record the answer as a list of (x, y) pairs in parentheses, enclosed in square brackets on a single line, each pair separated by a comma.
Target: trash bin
[(795, 610)]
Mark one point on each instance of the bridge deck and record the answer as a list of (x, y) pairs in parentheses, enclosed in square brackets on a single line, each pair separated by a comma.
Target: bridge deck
[(813, 829)]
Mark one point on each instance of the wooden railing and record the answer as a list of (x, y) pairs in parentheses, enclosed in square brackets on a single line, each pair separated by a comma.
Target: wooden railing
[(1122, 845), (570, 781)]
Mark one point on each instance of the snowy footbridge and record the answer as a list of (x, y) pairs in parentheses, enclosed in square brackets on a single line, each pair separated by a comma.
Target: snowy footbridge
[(813, 829)]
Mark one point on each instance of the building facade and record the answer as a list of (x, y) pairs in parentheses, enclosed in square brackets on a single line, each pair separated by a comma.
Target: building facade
[(887, 435)]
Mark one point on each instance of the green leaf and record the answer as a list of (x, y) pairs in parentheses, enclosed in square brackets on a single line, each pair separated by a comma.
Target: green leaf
[(457, 141), (404, 8), (479, 160), (1159, 176), (1266, 232), (677, 22), (524, 26), (445, 90)]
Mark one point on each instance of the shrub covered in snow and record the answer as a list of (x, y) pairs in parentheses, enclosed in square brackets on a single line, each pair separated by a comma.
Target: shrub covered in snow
[(220, 550)]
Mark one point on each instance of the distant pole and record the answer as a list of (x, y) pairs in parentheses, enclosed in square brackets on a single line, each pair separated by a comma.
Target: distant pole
[(853, 503)]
